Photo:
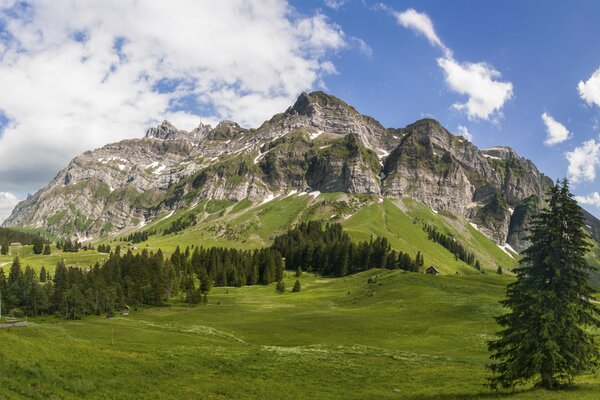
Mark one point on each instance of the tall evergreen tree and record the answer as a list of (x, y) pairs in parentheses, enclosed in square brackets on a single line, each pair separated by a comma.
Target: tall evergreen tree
[(544, 337)]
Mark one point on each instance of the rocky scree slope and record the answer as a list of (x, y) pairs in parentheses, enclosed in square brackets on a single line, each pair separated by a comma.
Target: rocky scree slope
[(318, 144)]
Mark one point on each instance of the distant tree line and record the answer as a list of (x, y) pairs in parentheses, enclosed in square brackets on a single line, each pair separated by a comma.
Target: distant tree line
[(180, 224), (69, 246), (103, 248), (138, 237), (149, 278), (328, 250), (453, 245), (8, 235)]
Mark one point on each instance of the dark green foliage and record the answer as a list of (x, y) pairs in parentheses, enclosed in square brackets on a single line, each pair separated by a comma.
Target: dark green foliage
[(499, 271), (180, 224), (8, 235), (327, 249), (43, 275), (545, 336), (68, 246), (453, 245), (298, 272), (297, 286), (138, 237), (104, 248), (4, 248), (280, 288), (38, 246), (47, 250)]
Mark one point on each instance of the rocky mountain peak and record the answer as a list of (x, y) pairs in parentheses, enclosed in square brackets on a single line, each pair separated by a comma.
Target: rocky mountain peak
[(501, 152), (313, 103), (165, 131)]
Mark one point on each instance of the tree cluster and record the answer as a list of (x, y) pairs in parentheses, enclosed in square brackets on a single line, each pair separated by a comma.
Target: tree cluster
[(181, 223), (327, 249), (451, 244), (104, 248), (138, 237), (68, 246), (8, 235)]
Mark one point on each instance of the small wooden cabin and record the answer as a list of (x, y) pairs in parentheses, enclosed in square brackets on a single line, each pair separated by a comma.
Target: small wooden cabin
[(125, 310), (432, 271)]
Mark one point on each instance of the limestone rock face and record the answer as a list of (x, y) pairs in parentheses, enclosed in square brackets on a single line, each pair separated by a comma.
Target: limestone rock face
[(318, 144)]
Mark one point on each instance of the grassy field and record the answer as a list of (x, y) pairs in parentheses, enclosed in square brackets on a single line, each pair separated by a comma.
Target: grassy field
[(403, 336), (36, 261)]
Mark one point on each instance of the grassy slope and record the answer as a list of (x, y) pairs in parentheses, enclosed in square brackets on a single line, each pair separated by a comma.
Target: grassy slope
[(407, 335), (36, 261), (246, 225)]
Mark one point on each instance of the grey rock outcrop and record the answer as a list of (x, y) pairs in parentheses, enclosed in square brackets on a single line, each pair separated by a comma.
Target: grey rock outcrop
[(318, 144)]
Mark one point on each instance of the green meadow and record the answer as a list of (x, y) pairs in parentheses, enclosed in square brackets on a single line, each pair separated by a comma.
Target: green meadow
[(378, 335)]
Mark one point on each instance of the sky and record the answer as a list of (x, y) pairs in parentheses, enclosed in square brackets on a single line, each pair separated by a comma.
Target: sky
[(76, 74)]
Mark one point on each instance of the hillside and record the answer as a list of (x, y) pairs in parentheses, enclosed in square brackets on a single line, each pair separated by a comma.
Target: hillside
[(318, 145), (403, 335)]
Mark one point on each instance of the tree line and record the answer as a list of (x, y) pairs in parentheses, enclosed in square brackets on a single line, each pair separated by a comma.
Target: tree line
[(148, 278), (453, 245), (328, 250)]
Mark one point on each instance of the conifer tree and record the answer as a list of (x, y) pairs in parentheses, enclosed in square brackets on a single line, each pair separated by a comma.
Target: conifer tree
[(47, 250), (43, 274), (298, 272), (280, 287), (38, 246), (297, 286), (544, 337)]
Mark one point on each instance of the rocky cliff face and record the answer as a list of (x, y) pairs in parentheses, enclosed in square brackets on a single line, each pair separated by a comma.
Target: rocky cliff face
[(318, 144)]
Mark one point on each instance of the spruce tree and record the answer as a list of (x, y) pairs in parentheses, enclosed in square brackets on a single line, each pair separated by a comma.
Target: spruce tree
[(280, 287), (544, 337), (297, 286), (47, 250)]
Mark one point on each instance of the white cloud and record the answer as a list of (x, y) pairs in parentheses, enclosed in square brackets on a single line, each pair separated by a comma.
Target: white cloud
[(335, 4), (362, 46), (464, 131), (590, 90), (593, 199), (8, 201), (583, 161), (77, 75), (557, 132), (421, 23), (478, 81)]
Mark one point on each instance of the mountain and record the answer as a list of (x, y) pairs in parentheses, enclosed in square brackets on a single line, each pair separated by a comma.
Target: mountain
[(320, 144)]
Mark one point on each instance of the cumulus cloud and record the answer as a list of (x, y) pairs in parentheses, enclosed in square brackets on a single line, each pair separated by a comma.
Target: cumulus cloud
[(593, 199), (464, 132), (556, 132), (478, 81), (583, 161), (76, 75), (8, 201), (590, 89), (486, 95)]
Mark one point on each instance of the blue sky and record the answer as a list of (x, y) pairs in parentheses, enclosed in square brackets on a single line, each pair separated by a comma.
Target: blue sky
[(78, 75), (543, 48)]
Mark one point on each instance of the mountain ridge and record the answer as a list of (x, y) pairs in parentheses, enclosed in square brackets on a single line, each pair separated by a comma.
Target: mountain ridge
[(320, 143)]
